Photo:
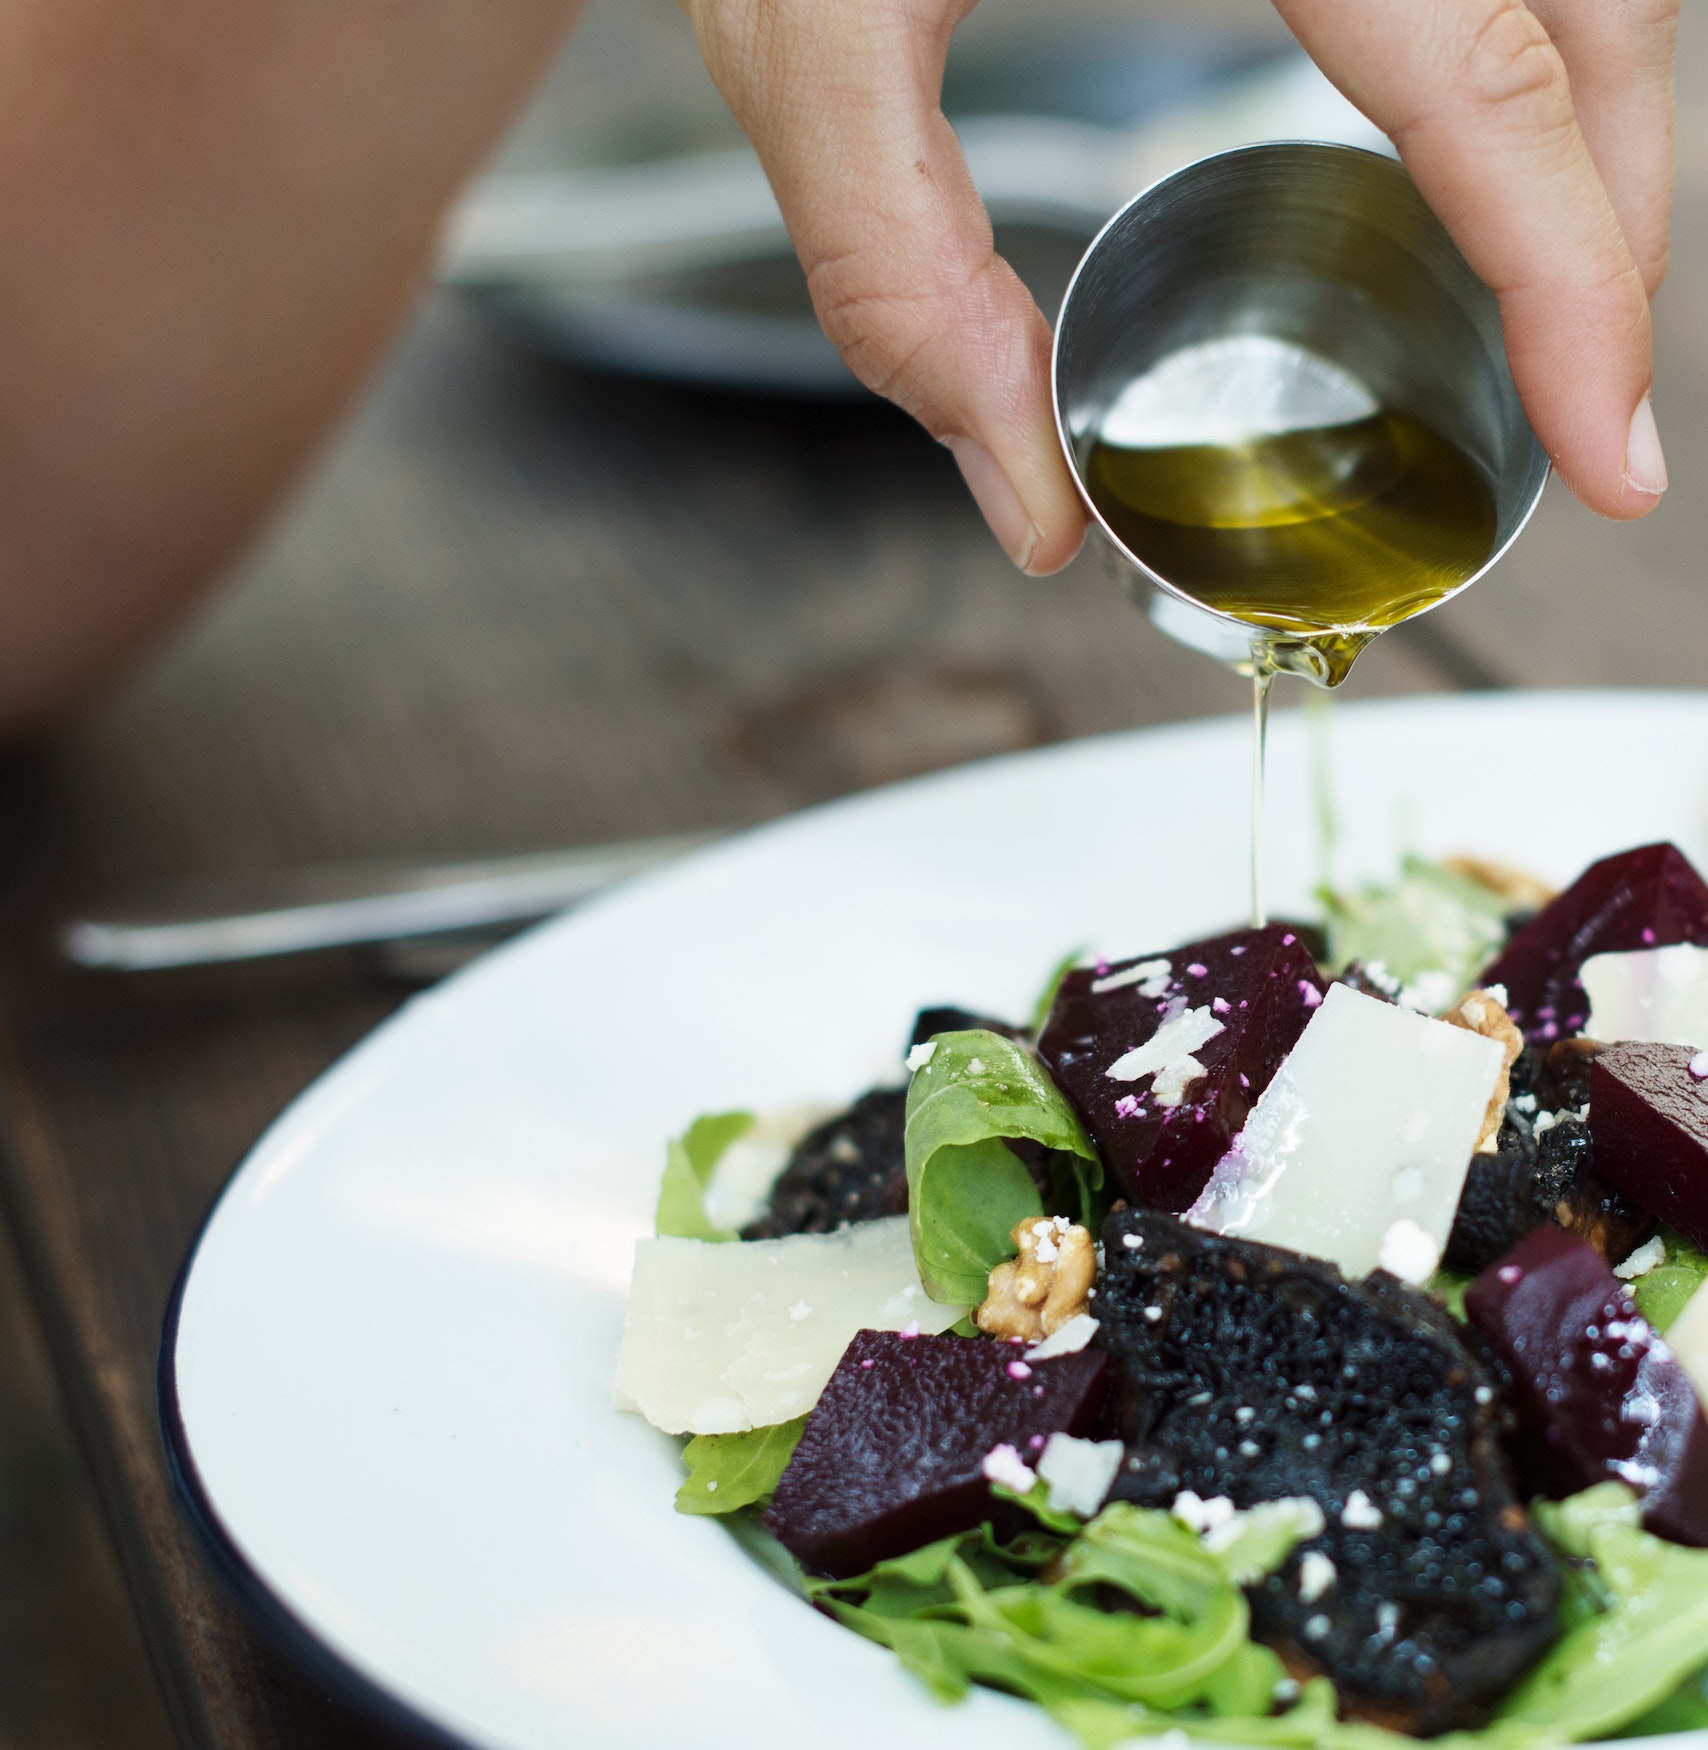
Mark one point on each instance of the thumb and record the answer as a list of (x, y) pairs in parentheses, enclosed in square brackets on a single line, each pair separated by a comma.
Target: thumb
[(841, 100)]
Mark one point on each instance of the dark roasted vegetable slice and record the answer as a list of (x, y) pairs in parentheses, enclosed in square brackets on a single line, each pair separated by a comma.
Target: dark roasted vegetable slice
[(1255, 1374), (850, 1168)]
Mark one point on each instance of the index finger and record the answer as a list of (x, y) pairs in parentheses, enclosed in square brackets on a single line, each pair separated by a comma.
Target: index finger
[(1477, 99)]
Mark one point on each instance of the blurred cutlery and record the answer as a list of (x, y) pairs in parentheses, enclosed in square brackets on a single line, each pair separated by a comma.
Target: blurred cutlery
[(296, 911)]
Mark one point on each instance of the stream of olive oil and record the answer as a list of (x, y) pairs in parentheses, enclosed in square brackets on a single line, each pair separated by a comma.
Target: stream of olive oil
[(1317, 539)]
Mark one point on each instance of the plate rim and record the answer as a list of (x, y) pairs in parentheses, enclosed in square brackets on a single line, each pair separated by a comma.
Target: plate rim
[(261, 1608)]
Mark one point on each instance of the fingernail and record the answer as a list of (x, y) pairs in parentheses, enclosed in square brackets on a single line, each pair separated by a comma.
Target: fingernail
[(1645, 465), (996, 498)]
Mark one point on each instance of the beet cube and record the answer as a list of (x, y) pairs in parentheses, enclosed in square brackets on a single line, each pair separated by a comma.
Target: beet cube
[(1649, 1117), (1599, 1395), (1160, 1133), (1647, 898), (892, 1456)]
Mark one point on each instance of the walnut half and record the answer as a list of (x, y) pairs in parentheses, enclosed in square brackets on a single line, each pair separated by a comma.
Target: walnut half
[(1035, 1294), (1480, 1013)]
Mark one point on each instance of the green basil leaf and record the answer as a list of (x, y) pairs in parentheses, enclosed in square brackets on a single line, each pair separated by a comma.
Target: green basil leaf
[(689, 1163), (966, 1189), (729, 1471)]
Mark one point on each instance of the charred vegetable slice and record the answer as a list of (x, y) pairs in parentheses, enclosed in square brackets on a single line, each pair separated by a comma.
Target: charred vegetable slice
[(1253, 1374)]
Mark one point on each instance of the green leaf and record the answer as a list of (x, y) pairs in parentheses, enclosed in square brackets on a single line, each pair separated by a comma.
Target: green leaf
[(1430, 920), (1449, 1286), (1047, 996), (966, 1188), (689, 1162), (1622, 1664), (1036, 1501), (1685, 1710), (728, 1471), (1662, 1294)]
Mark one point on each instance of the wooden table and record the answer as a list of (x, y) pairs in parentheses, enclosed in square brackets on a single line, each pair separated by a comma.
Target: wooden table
[(520, 608)]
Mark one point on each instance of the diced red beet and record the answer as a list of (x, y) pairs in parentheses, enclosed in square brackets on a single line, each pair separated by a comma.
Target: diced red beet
[(1597, 1389), (1648, 1117), (1647, 898), (1260, 985), (892, 1456)]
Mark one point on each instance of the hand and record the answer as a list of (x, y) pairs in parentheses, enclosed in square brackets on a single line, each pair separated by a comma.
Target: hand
[(1542, 136)]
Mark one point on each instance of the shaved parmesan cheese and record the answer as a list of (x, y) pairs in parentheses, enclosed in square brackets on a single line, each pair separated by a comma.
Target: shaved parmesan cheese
[(1687, 1338), (713, 1342), (1656, 996), (1371, 1120)]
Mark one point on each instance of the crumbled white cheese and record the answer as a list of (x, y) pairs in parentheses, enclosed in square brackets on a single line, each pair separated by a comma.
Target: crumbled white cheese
[(713, 1342), (1408, 1252), (1316, 1574), (800, 1310), (1066, 1339), (1132, 1242), (1298, 1514), (1079, 1472), (1180, 1034), (1174, 1078), (1360, 1513), (1658, 995), (1151, 975), (975, 1066), (1647, 1257), (922, 1054), (1497, 991), (1002, 1464), (1371, 1119), (1199, 1515)]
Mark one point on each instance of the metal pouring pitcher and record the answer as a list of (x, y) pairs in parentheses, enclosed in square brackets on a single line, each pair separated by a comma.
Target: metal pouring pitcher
[(1328, 249)]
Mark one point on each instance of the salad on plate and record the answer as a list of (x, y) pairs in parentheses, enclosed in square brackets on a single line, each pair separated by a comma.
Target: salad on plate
[(1293, 1337)]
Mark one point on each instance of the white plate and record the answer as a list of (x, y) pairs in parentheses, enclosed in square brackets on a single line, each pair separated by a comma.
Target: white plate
[(387, 1380)]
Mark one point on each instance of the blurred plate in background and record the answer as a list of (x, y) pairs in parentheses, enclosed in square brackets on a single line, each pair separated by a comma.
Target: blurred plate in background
[(641, 235)]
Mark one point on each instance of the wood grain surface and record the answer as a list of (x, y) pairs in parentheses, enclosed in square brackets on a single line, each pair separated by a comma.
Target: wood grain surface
[(519, 607)]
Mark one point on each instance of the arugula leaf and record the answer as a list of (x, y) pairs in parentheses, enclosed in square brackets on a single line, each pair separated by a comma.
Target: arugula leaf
[(966, 1189), (1685, 1710), (729, 1471), (1661, 1295), (1431, 920), (1619, 1665), (968, 1609), (1449, 1286), (1047, 996), (689, 1162)]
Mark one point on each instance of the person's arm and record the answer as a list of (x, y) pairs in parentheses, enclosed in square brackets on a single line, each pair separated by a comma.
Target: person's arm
[(1542, 136), (213, 215)]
